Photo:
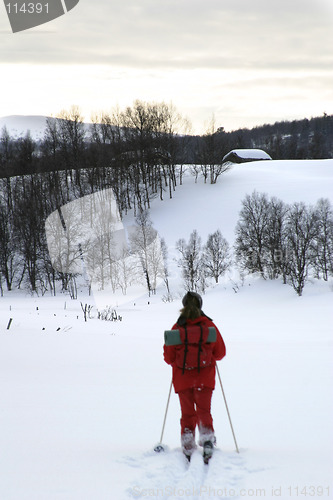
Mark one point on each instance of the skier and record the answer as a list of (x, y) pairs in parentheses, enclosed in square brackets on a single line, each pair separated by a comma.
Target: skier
[(193, 374)]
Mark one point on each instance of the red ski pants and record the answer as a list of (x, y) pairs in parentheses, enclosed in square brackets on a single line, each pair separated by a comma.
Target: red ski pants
[(195, 406)]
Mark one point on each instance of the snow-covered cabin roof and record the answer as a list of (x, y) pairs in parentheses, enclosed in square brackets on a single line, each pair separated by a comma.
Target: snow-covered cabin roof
[(244, 155)]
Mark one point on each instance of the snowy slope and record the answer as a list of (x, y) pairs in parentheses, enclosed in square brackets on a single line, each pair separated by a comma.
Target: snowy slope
[(207, 207), (82, 403)]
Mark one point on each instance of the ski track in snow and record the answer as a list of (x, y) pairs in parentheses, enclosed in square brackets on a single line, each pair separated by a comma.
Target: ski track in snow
[(168, 475), (81, 400)]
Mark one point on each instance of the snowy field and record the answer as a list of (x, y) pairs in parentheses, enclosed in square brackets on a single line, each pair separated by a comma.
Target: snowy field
[(82, 403)]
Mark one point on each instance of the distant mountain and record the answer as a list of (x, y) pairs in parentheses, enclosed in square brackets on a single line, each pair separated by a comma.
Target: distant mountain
[(18, 125)]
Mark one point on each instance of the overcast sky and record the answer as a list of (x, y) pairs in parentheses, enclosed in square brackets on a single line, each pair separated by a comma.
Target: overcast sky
[(247, 62)]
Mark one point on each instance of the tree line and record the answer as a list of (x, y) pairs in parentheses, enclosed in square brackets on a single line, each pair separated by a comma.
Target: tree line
[(140, 150), (41, 252), (288, 241), (147, 141), (273, 239), (139, 153)]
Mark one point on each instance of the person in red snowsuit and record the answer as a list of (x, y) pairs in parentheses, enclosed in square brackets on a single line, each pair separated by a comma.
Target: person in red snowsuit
[(194, 385)]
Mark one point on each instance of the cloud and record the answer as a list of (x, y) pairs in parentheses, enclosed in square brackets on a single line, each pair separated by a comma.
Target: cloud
[(255, 57), (181, 33)]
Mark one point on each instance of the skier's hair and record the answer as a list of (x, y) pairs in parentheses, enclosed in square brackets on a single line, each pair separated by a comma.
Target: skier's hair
[(192, 307)]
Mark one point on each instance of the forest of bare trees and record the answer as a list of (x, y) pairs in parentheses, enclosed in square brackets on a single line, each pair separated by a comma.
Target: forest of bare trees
[(137, 153), (289, 241), (155, 138)]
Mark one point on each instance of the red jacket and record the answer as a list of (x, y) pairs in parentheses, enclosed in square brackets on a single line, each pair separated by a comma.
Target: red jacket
[(193, 378)]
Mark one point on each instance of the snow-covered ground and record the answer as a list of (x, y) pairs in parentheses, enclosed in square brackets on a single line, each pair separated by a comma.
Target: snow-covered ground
[(82, 403)]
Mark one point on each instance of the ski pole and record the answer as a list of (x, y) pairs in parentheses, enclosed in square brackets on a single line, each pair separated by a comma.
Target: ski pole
[(160, 447), (225, 401)]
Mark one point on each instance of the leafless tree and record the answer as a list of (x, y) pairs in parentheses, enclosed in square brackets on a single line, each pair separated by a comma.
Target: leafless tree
[(8, 244), (126, 270), (211, 153), (216, 256), (301, 232), (165, 274), (145, 245), (275, 257), (190, 261), (323, 244), (29, 227), (251, 233)]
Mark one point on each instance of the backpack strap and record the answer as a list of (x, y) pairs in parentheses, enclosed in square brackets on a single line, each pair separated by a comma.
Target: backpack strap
[(199, 346), (186, 348)]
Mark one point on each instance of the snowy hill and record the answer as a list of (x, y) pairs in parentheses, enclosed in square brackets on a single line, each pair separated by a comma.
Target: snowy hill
[(18, 125), (82, 403), (207, 207)]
